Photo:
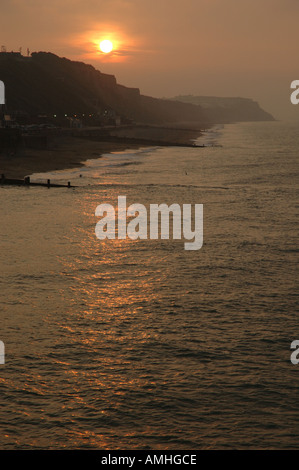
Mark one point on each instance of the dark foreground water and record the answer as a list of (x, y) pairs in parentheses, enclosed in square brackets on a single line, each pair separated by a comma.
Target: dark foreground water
[(143, 345)]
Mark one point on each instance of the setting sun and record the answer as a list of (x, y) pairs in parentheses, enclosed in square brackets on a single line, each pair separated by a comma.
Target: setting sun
[(106, 46)]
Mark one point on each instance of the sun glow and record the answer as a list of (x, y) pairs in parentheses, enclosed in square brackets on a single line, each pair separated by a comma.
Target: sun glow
[(110, 45), (106, 46)]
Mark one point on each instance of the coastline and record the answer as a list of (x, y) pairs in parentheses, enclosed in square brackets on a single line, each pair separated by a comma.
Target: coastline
[(69, 154), (71, 151)]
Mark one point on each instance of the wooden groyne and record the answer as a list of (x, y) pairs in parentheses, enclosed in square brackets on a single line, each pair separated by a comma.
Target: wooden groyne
[(26, 182)]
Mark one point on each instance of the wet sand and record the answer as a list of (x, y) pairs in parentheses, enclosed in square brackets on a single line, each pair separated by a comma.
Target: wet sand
[(71, 152)]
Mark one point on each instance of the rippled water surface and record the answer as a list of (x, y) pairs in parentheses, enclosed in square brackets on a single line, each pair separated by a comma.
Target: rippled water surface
[(140, 344)]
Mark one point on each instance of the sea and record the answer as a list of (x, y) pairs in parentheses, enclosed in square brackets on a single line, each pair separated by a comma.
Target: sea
[(141, 344)]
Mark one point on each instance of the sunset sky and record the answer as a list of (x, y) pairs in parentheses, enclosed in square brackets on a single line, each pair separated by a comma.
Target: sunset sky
[(245, 48)]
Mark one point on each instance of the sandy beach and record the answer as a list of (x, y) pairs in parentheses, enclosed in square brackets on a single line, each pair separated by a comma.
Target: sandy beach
[(68, 154), (71, 152)]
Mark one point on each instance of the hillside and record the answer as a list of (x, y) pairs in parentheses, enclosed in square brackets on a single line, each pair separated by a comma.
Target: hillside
[(45, 84)]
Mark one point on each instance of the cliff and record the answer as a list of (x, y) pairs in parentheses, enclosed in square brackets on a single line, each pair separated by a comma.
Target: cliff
[(47, 84), (224, 110)]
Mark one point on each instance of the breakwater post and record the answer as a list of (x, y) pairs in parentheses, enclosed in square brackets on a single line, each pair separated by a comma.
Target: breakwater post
[(27, 182)]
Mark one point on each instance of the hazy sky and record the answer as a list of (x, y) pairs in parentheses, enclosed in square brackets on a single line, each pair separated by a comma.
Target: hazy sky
[(168, 47)]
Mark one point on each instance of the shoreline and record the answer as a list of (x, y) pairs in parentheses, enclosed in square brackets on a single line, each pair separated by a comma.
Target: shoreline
[(69, 154), (71, 151)]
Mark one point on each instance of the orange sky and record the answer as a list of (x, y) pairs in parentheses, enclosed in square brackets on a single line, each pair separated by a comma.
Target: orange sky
[(168, 47)]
